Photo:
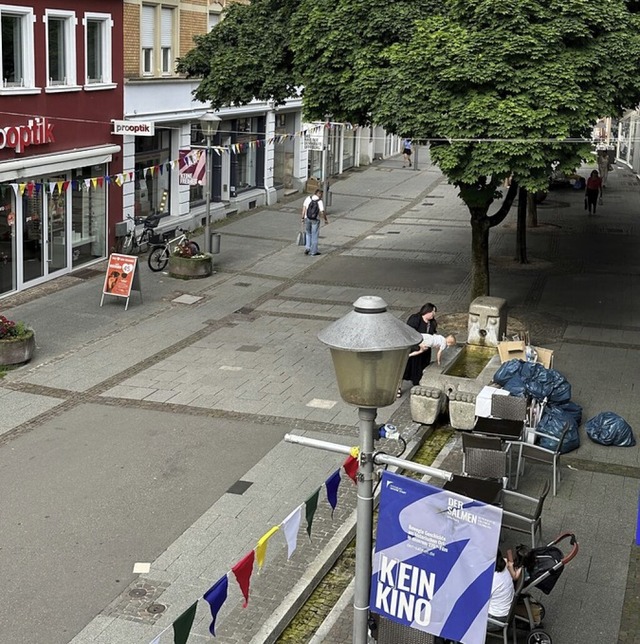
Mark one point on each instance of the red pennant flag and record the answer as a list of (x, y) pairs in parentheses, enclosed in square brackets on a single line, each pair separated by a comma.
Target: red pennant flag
[(65, 185), (101, 181), (351, 468), (243, 571), (30, 187)]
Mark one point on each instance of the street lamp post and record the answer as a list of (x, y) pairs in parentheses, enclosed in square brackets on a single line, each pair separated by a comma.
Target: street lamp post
[(369, 349), (209, 122)]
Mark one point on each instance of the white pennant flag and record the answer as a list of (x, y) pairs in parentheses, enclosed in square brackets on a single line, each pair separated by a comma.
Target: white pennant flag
[(291, 526)]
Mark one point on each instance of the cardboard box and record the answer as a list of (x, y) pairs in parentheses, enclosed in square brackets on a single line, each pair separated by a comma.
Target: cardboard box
[(515, 350)]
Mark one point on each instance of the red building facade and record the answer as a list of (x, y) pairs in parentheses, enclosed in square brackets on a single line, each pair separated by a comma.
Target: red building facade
[(61, 72)]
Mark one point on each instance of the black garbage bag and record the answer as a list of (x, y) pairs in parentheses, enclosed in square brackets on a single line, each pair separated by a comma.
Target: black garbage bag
[(506, 371), (573, 409), (607, 428), (515, 386), (552, 424)]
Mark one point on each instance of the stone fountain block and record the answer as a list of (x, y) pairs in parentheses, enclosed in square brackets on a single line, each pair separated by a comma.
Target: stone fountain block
[(439, 390), (487, 321)]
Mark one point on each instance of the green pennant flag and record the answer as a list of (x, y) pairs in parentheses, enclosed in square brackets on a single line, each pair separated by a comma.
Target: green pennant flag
[(311, 504), (182, 625)]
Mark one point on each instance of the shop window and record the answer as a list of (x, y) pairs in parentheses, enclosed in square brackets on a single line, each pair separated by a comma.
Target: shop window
[(88, 218), (17, 61), (61, 49), (197, 192), (7, 241), (247, 154), (283, 153), (97, 48), (153, 177)]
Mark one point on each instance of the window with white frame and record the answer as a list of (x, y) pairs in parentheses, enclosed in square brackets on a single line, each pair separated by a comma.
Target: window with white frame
[(147, 38), (214, 19), (61, 48), (16, 47), (97, 29), (166, 39)]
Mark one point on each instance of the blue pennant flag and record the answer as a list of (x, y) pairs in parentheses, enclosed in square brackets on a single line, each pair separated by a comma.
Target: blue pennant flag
[(216, 596), (332, 483)]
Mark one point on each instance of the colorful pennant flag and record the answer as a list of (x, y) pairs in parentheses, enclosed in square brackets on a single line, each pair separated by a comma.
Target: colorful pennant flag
[(311, 504), (291, 526), (261, 548), (243, 571), (332, 484), (182, 625), (351, 468), (216, 596)]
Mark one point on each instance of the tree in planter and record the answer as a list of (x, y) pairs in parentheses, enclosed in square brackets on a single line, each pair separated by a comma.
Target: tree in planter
[(498, 87)]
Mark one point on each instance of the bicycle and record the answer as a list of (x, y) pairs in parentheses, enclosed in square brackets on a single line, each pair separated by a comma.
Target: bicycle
[(159, 254), (140, 242)]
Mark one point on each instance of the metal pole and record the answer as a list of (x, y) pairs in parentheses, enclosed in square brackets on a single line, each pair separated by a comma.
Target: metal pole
[(207, 174), (364, 527), (325, 162), (415, 156)]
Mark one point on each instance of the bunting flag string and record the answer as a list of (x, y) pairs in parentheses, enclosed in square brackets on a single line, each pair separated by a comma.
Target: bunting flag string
[(187, 160), (217, 595)]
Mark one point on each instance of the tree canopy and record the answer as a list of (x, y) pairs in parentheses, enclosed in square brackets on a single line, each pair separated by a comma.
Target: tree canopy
[(500, 87)]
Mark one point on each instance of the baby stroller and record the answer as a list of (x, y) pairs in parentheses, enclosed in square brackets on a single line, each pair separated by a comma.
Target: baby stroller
[(542, 568)]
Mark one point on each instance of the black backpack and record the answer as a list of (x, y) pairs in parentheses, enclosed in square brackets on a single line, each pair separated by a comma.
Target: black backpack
[(313, 209)]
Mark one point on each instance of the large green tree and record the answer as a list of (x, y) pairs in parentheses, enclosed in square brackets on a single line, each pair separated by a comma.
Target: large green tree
[(501, 88)]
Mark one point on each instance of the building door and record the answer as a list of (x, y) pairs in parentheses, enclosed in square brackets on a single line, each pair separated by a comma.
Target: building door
[(44, 232)]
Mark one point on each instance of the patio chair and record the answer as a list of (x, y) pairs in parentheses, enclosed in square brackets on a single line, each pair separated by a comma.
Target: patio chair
[(522, 513), (509, 407), (486, 457), (390, 632), (501, 627), (538, 454)]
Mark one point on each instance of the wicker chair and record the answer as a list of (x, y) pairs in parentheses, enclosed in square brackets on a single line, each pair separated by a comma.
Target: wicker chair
[(523, 513), (486, 457)]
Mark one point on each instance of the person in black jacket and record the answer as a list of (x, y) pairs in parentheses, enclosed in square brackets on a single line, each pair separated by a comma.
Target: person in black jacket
[(423, 321)]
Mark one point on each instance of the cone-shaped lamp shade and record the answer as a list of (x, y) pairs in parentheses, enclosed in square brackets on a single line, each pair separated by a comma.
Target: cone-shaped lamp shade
[(369, 348)]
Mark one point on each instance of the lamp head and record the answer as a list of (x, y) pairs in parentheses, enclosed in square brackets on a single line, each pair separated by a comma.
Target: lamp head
[(210, 122)]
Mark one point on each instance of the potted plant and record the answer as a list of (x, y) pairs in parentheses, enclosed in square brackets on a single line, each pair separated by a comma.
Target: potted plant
[(17, 342), (187, 262)]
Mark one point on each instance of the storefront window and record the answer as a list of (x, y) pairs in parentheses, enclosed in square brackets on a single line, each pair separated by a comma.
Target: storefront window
[(348, 149), (196, 193), (153, 178), (284, 151), (88, 217), (247, 154), (7, 241)]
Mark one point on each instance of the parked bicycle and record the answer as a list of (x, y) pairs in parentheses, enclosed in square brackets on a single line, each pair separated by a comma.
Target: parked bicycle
[(159, 255), (139, 242)]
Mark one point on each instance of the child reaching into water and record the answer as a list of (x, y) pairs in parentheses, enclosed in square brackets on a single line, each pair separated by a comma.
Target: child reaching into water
[(440, 342)]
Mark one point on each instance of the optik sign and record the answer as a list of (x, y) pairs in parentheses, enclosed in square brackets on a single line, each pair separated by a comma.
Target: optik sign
[(38, 131)]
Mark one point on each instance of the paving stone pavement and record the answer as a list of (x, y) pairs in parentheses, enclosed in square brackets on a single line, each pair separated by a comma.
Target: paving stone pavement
[(248, 351)]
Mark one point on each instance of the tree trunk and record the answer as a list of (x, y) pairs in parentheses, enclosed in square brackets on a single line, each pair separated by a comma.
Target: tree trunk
[(532, 210), (521, 231), (479, 256)]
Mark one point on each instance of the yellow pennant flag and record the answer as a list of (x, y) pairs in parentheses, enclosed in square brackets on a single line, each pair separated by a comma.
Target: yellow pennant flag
[(261, 548), (21, 188), (59, 184)]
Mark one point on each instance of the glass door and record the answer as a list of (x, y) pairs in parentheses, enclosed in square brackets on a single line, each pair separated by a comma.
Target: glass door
[(44, 231)]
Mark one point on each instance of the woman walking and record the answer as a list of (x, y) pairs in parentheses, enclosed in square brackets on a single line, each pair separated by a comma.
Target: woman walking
[(593, 191)]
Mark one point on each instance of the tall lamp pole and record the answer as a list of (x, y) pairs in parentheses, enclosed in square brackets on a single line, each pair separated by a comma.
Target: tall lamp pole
[(209, 122), (369, 348)]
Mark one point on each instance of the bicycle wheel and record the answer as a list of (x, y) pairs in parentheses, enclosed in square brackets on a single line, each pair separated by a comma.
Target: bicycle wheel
[(158, 258), (127, 244)]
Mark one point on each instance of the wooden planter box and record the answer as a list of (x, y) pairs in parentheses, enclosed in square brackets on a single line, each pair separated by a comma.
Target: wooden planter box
[(17, 350), (190, 268)]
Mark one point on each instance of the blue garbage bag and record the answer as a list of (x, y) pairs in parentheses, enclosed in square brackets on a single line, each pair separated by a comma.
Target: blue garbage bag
[(553, 422), (515, 386), (573, 409), (608, 428), (506, 371), (544, 383)]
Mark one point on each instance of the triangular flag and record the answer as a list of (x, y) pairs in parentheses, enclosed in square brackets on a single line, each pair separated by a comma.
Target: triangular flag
[(59, 184), (311, 504), (261, 548), (243, 570), (101, 181), (182, 625), (30, 187), (21, 188), (215, 597), (52, 187), (65, 185), (87, 183), (332, 483), (351, 466), (291, 526), (38, 188), (94, 182)]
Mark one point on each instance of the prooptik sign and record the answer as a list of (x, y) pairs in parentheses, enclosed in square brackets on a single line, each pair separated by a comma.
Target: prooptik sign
[(38, 131)]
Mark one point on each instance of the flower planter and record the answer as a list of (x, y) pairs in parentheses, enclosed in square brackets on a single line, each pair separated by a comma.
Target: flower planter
[(17, 350), (189, 268)]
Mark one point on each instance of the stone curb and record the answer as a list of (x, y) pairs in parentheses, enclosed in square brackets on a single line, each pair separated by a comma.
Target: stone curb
[(293, 602)]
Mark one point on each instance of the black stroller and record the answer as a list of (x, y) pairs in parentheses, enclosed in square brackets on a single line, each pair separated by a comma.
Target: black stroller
[(542, 568)]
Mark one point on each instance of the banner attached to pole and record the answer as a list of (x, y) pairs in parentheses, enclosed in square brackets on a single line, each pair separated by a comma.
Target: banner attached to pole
[(434, 559)]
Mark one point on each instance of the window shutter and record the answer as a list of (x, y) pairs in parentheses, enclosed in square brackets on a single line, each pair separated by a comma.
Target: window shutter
[(166, 28), (147, 27)]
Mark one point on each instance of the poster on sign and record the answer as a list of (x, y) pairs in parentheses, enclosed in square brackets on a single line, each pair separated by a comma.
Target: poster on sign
[(121, 277), (434, 559), (192, 167)]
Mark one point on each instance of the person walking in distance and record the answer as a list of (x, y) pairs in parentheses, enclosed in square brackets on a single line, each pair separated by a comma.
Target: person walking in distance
[(312, 211), (603, 166), (406, 152), (593, 191)]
